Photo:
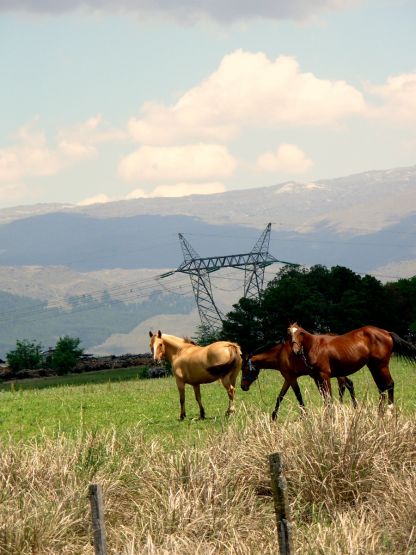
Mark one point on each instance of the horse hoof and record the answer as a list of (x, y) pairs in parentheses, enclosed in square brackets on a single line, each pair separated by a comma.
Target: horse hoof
[(274, 415), (182, 416)]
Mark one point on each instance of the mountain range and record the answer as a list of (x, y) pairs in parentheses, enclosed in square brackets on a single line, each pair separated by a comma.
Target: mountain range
[(49, 252)]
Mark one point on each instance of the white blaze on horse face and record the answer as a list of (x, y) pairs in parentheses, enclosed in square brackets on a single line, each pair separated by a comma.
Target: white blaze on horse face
[(157, 350), (295, 346), (153, 346)]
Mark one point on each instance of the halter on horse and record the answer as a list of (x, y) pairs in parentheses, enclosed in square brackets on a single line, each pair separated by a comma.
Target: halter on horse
[(280, 357), (341, 355)]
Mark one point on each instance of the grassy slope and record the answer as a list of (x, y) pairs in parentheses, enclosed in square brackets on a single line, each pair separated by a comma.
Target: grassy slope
[(118, 399), (351, 477)]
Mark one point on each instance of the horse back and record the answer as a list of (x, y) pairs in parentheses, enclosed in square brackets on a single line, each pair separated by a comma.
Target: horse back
[(349, 352), (197, 364), (280, 357)]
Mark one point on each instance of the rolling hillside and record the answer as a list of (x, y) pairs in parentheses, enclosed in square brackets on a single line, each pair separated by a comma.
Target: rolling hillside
[(49, 253)]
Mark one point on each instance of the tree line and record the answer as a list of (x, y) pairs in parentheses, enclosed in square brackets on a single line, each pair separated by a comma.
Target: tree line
[(29, 355), (321, 300)]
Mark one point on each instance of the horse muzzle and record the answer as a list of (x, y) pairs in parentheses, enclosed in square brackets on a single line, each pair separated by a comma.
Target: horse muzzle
[(297, 349), (245, 386)]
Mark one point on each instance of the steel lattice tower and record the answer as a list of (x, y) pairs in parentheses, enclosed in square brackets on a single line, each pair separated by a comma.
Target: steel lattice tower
[(199, 270)]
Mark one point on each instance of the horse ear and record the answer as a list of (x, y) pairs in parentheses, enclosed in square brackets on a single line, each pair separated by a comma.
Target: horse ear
[(159, 334), (150, 334)]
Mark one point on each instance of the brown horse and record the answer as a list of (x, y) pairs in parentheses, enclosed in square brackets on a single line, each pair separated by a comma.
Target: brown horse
[(280, 357), (195, 365), (341, 355)]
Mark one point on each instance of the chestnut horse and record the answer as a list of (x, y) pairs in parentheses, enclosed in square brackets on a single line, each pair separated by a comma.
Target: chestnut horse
[(280, 357), (341, 355), (195, 365)]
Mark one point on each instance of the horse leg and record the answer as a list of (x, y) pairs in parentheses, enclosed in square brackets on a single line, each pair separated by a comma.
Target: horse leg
[(296, 389), (197, 391), (227, 382), (280, 397), (384, 382), (181, 388), (324, 387), (349, 384), (341, 388)]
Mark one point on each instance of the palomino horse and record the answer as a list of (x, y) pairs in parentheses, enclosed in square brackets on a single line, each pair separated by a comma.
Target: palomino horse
[(195, 365), (341, 355), (280, 357)]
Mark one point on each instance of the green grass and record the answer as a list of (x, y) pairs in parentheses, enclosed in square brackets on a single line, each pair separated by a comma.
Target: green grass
[(120, 399)]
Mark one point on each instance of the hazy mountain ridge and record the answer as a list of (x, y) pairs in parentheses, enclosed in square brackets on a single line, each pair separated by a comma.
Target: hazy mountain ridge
[(366, 222), (357, 203)]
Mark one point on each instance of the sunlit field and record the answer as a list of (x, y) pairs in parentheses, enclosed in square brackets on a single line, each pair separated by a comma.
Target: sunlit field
[(203, 487), (119, 399)]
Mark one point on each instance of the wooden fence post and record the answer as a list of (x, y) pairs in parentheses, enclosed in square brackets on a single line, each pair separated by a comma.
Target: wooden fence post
[(97, 514), (281, 505)]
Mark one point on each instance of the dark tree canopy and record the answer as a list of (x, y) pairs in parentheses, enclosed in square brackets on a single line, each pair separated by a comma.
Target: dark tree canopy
[(322, 300)]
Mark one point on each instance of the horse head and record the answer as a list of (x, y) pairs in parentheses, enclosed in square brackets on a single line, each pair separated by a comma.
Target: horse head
[(249, 374), (295, 336), (157, 346)]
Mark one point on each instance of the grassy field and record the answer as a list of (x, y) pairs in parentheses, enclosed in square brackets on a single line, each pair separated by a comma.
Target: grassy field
[(203, 487), (119, 399)]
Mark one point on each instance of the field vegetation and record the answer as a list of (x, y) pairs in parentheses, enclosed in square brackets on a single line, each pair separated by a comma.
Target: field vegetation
[(203, 487)]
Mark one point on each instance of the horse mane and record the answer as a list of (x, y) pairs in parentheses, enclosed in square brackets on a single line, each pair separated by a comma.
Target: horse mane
[(266, 347)]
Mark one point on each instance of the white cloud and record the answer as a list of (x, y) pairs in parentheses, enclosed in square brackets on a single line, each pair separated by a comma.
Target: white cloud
[(247, 90), (97, 199), (178, 163), (32, 156), (179, 190), (188, 10), (82, 139), (287, 158), (398, 97)]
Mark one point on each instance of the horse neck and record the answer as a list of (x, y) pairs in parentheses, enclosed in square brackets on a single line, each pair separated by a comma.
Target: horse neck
[(172, 344), (308, 340), (269, 359)]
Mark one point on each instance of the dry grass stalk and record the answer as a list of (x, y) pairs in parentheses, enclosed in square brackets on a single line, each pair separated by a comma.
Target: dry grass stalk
[(351, 479)]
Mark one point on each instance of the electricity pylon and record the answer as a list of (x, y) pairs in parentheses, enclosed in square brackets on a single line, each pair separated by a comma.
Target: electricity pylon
[(199, 270)]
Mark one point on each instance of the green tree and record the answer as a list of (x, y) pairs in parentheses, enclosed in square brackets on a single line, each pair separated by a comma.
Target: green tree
[(206, 335), (244, 325), (322, 300), (27, 355), (66, 354)]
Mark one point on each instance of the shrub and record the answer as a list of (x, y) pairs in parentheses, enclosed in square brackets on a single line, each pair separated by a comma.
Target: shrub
[(27, 355), (66, 354)]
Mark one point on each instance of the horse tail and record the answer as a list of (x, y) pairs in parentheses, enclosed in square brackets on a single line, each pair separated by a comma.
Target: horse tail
[(234, 362), (403, 348)]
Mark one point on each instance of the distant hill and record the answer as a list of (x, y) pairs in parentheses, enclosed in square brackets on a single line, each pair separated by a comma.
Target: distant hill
[(366, 222), (86, 244), (359, 203)]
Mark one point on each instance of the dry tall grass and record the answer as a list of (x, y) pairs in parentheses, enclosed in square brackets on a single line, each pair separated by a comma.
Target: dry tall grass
[(351, 479)]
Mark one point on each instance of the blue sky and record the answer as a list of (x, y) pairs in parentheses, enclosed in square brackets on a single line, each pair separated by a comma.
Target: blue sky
[(127, 99)]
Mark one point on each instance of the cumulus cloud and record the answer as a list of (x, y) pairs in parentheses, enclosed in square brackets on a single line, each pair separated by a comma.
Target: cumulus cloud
[(32, 156), (247, 90), (179, 190), (398, 97), (178, 163), (287, 158), (97, 199), (188, 10)]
